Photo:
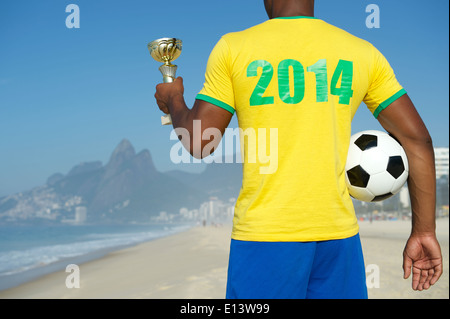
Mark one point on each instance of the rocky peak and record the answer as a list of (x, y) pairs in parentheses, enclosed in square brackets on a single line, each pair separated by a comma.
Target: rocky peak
[(121, 154)]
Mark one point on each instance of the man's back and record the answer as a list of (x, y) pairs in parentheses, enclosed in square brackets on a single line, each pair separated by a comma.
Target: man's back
[(306, 78)]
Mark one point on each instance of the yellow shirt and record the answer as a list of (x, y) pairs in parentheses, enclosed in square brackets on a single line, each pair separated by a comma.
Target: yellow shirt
[(295, 85)]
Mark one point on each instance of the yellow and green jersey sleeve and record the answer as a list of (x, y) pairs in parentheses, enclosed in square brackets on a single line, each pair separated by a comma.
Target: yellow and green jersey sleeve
[(218, 87), (384, 87)]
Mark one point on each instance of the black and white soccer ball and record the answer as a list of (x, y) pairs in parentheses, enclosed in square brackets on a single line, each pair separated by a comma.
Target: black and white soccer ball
[(376, 167)]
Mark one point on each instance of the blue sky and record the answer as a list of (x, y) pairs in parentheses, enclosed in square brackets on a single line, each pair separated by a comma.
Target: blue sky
[(71, 95)]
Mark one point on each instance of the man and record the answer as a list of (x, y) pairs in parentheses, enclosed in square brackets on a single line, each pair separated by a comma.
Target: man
[(295, 234)]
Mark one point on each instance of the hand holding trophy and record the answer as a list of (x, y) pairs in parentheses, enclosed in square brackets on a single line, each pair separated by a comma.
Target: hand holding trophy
[(166, 50)]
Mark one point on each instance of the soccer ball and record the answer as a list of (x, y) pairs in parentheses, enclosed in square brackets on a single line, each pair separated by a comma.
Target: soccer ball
[(376, 167)]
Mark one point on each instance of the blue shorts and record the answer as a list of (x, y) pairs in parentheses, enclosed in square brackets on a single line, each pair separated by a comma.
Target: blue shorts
[(332, 269)]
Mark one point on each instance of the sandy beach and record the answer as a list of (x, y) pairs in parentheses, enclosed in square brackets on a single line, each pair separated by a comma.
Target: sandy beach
[(193, 265)]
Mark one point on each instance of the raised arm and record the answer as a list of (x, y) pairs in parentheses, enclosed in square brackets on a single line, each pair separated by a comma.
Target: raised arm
[(213, 119), (422, 252)]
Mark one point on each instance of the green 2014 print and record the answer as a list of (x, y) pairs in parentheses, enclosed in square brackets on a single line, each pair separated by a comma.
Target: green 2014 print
[(343, 71)]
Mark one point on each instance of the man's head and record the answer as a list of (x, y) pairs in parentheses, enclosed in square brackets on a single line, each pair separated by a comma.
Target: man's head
[(286, 8)]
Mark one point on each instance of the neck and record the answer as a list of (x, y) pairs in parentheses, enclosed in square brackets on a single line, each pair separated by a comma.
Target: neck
[(289, 8)]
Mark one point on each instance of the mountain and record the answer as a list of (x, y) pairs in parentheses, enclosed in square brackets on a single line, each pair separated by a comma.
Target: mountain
[(222, 180), (127, 188)]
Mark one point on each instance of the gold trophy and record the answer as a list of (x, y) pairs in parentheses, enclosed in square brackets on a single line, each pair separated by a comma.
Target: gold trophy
[(166, 50)]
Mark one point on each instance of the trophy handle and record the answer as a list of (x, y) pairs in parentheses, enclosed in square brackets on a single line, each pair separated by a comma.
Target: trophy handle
[(168, 72)]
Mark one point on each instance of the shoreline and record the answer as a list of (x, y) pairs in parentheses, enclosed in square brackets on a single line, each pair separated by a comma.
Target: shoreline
[(192, 264), (42, 269), (24, 277), (146, 270)]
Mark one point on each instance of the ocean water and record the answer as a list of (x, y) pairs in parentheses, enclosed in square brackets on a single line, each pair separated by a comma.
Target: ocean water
[(27, 252)]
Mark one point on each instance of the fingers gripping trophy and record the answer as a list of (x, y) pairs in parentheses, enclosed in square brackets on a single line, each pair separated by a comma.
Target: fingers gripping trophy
[(166, 50)]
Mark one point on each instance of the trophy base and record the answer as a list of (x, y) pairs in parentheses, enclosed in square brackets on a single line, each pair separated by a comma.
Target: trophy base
[(168, 72)]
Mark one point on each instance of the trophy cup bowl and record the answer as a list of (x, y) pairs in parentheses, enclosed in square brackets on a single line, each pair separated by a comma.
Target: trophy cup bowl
[(166, 50)]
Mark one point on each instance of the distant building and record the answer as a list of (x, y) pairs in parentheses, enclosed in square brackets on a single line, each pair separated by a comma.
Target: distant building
[(441, 155), (80, 214), (441, 160), (404, 197)]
